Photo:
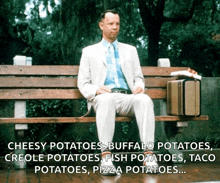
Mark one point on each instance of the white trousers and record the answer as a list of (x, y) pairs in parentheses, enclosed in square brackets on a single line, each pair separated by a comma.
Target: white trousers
[(140, 105)]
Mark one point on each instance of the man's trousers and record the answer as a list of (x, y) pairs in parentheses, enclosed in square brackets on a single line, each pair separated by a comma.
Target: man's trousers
[(140, 105)]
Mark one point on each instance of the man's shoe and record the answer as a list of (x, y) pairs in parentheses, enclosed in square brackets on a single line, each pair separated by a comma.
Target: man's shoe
[(150, 163), (106, 166)]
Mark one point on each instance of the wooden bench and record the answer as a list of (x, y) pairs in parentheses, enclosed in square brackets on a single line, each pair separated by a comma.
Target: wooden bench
[(34, 82), (22, 83)]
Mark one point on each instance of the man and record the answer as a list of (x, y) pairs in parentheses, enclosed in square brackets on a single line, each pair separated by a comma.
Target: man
[(111, 79)]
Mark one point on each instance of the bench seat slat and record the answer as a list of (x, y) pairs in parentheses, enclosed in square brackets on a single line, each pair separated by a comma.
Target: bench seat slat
[(41, 94), (93, 119)]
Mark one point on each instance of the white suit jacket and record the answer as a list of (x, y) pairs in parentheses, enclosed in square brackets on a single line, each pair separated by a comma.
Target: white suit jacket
[(93, 68)]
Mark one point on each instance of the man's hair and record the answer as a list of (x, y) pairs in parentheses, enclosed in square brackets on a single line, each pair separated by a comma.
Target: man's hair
[(102, 16)]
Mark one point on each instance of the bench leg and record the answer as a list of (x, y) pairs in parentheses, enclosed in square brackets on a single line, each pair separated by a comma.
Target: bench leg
[(172, 130), (168, 131), (20, 134), (20, 130)]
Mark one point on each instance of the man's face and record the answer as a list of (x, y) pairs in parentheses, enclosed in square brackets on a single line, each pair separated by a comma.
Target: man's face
[(110, 26)]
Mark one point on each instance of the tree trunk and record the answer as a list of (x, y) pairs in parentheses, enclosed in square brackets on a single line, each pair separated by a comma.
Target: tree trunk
[(62, 31), (152, 25), (153, 45), (153, 18)]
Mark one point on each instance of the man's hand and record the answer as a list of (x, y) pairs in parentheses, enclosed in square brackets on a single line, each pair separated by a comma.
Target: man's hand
[(103, 89), (138, 90)]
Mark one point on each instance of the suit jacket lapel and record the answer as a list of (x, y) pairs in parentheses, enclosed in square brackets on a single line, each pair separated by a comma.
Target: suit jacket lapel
[(101, 53)]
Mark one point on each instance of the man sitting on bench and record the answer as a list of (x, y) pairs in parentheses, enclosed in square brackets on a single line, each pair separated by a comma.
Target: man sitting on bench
[(110, 78)]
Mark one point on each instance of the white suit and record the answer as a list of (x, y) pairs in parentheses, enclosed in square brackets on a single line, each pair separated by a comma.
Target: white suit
[(92, 75)]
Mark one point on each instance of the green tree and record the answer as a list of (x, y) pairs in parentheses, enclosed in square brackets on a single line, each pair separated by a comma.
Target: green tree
[(70, 26), (196, 42), (153, 16), (11, 31)]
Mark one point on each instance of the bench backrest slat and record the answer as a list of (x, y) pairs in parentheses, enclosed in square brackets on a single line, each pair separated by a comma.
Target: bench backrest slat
[(56, 82), (27, 94), (160, 71), (37, 82), (47, 70)]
